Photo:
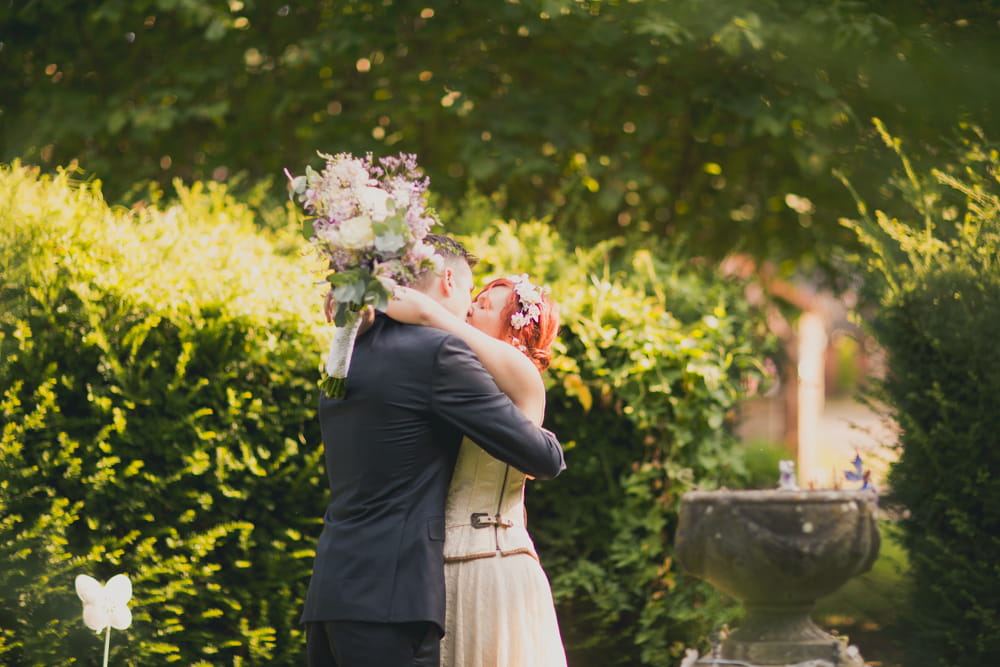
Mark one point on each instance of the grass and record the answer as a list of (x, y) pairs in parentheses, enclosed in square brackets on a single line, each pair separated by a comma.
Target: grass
[(865, 610)]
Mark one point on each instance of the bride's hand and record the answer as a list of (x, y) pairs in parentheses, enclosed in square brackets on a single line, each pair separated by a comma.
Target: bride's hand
[(367, 314), (414, 307), (329, 306)]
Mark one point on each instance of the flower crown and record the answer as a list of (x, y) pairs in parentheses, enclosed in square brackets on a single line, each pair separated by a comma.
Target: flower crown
[(528, 298)]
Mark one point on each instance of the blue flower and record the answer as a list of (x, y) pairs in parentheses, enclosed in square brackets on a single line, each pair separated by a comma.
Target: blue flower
[(859, 474)]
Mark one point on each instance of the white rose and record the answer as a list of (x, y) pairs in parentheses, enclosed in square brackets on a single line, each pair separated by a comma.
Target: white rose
[(375, 201), (357, 233), (330, 235), (390, 243)]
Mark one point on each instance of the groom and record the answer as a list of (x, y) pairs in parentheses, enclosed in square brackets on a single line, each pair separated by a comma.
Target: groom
[(377, 596)]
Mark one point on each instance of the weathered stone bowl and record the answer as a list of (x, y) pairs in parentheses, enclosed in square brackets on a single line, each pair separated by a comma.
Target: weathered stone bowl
[(778, 551)]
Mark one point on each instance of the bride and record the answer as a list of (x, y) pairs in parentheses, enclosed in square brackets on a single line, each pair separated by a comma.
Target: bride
[(499, 603)]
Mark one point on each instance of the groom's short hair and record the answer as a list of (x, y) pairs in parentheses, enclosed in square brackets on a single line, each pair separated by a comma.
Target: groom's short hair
[(449, 249)]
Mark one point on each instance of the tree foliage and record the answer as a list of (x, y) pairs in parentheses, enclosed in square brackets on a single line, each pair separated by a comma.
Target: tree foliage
[(935, 266), (646, 118)]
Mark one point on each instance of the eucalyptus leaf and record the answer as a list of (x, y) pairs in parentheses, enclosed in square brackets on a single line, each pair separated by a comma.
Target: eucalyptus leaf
[(350, 293), (345, 314)]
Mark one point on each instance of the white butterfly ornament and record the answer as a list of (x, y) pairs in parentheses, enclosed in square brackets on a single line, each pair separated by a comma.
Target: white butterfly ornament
[(105, 606)]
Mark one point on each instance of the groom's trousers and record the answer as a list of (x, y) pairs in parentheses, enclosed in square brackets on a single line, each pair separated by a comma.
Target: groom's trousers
[(359, 644)]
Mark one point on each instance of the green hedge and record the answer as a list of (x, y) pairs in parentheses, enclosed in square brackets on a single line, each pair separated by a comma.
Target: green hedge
[(157, 379), (936, 271), (158, 420)]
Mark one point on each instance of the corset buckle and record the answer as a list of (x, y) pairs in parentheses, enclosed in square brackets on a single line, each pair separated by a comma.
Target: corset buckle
[(485, 520)]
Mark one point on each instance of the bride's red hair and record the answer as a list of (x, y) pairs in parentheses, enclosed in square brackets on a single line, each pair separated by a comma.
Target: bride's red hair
[(534, 338)]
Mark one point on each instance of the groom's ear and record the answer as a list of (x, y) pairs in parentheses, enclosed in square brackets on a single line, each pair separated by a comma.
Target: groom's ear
[(447, 282)]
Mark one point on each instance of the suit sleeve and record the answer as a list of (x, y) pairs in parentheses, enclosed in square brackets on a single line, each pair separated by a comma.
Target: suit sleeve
[(465, 394)]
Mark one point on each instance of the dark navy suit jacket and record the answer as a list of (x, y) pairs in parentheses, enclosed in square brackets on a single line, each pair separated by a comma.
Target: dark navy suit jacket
[(390, 448)]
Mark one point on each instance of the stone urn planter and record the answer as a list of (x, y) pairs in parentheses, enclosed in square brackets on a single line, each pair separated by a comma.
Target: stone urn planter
[(778, 551)]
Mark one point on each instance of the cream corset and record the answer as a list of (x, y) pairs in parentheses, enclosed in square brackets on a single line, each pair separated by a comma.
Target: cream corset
[(485, 508)]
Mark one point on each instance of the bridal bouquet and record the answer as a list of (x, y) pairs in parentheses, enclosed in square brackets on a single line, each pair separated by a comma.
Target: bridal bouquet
[(368, 222)]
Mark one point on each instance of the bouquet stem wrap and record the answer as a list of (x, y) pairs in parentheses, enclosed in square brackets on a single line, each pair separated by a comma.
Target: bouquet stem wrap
[(338, 360)]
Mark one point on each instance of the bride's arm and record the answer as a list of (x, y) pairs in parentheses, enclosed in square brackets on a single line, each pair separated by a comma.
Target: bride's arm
[(513, 372)]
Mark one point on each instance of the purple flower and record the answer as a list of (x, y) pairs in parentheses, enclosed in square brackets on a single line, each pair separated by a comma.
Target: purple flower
[(859, 474)]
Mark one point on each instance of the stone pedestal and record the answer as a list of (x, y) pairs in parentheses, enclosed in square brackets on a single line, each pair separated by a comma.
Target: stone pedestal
[(778, 552)]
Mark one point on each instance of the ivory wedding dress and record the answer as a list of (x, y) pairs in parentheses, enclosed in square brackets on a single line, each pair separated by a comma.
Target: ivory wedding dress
[(499, 611)]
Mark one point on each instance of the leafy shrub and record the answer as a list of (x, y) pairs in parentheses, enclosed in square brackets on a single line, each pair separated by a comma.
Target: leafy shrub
[(156, 378), (763, 460), (936, 271)]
